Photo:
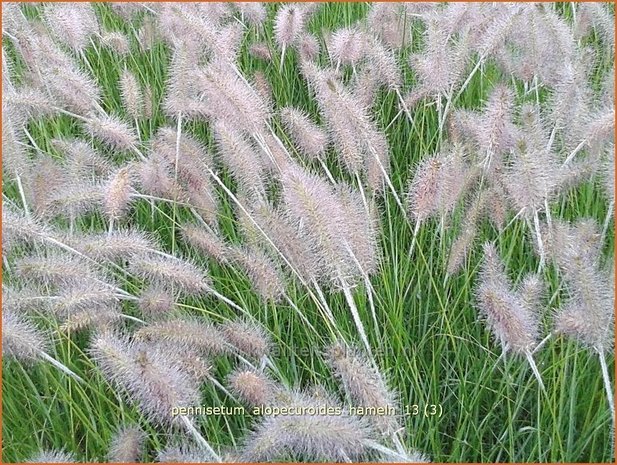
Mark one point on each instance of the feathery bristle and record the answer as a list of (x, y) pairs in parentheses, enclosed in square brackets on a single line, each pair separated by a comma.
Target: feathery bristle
[(254, 12), (72, 23), (253, 388), (73, 199), (117, 193), (183, 454), (184, 334), (514, 325), (206, 241), (310, 138), (81, 160), (55, 269), (424, 188), (19, 228), (151, 382), (117, 42), (117, 246), (52, 456), (312, 437), (260, 50), (127, 445), (364, 385), (248, 338), (307, 46), (89, 297), (240, 158), (155, 302), (132, 97), (112, 131), (21, 340), (102, 320), (263, 273), (171, 273), (348, 46), (288, 24)]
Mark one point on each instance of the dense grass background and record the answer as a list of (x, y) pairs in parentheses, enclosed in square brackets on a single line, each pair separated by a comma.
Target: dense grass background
[(428, 340)]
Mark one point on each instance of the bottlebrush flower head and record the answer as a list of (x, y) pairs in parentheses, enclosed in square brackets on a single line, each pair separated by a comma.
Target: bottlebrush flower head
[(306, 436), (307, 136), (184, 334), (240, 157), (52, 456), (131, 94), (253, 388), (288, 24), (364, 385), (423, 192), (348, 46), (171, 272), (206, 242), (121, 244), (513, 324), (21, 340), (148, 378), (248, 338), (263, 272), (55, 269), (253, 12), (73, 24), (112, 131), (156, 302), (117, 193)]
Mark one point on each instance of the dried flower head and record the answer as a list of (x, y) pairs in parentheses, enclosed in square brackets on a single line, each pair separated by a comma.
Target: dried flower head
[(307, 435), (253, 388), (112, 131), (171, 272), (148, 378), (21, 340), (183, 335), (513, 324), (364, 385), (127, 445), (248, 338)]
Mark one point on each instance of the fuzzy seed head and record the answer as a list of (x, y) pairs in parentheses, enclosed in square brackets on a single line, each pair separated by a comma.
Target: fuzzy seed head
[(506, 314), (206, 241), (248, 338), (184, 334), (308, 136), (171, 272), (127, 445), (424, 189), (132, 97), (155, 302), (21, 340), (364, 385), (72, 23), (52, 456), (112, 131), (148, 378), (117, 193), (251, 387), (310, 437), (288, 24), (121, 244)]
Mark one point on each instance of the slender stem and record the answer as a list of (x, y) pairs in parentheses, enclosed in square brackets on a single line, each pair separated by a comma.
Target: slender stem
[(607, 383), (199, 438), (535, 370), (541, 343), (607, 221), (356, 316), (60, 366)]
